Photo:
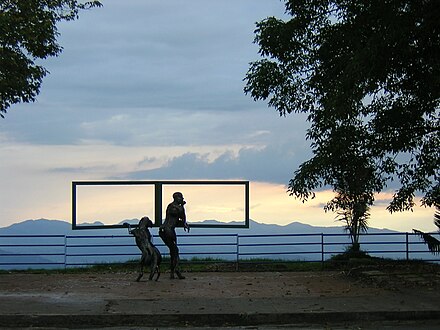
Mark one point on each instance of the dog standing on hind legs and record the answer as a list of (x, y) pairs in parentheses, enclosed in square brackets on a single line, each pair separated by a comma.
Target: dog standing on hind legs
[(150, 254)]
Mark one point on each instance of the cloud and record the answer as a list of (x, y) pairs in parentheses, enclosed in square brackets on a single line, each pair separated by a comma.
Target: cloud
[(148, 60), (192, 54), (273, 163)]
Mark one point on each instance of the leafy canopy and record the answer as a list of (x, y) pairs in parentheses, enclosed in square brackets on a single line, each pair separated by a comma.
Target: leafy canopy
[(367, 73), (28, 32)]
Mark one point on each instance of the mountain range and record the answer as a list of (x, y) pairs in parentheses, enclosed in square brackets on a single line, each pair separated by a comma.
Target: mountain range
[(60, 227)]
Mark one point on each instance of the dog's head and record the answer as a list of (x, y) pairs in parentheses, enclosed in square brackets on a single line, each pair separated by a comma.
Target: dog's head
[(145, 222)]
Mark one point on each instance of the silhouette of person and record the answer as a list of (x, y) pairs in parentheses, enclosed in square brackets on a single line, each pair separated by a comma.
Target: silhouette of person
[(175, 217)]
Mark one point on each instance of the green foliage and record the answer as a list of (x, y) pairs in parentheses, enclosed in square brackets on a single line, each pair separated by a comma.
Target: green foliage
[(28, 31), (366, 74), (432, 242), (351, 254)]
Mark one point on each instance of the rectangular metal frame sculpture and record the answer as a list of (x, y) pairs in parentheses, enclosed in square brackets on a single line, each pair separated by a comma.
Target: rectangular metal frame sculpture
[(158, 216)]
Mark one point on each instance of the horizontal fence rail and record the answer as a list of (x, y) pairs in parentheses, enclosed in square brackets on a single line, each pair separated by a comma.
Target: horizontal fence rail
[(66, 251)]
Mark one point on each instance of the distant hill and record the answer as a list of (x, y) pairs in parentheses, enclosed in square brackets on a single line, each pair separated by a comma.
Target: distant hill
[(37, 227)]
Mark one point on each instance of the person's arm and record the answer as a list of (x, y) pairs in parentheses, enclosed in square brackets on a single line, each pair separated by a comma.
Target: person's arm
[(183, 217)]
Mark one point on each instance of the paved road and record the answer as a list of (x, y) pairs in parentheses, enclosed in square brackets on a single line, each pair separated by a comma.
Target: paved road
[(235, 300)]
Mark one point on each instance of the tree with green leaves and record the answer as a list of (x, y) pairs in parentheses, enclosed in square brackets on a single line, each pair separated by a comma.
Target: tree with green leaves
[(367, 74), (28, 32)]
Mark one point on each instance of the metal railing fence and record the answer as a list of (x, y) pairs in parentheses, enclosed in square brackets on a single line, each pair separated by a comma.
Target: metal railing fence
[(65, 251)]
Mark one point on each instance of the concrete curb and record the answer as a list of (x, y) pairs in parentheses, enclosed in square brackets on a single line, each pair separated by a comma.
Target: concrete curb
[(222, 319)]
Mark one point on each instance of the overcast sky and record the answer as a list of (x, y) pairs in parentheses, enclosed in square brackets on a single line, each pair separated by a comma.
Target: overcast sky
[(153, 89)]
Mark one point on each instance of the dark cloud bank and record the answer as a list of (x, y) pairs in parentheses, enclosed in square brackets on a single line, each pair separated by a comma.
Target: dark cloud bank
[(271, 164)]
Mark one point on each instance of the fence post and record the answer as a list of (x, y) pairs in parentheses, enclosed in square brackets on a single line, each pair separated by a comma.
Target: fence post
[(322, 248), (407, 246), (158, 203), (237, 241), (65, 251)]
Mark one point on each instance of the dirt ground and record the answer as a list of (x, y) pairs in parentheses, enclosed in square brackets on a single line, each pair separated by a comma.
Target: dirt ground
[(252, 285), (397, 275), (354, 281), (215, 298)]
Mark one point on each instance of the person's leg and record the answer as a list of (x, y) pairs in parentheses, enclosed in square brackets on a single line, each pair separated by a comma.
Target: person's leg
[(170, 240), (174, 256)]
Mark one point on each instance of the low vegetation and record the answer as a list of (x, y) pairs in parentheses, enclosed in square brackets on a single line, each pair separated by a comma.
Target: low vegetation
[(348, 261)]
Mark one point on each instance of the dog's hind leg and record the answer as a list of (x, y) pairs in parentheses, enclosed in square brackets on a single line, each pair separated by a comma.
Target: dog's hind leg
[(158, 272), (159, 261), (154, 266), (141, 268), (153, 269)]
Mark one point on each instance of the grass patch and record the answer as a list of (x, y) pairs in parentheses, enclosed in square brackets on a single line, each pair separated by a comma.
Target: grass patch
[(186, 265), (341, 262)]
